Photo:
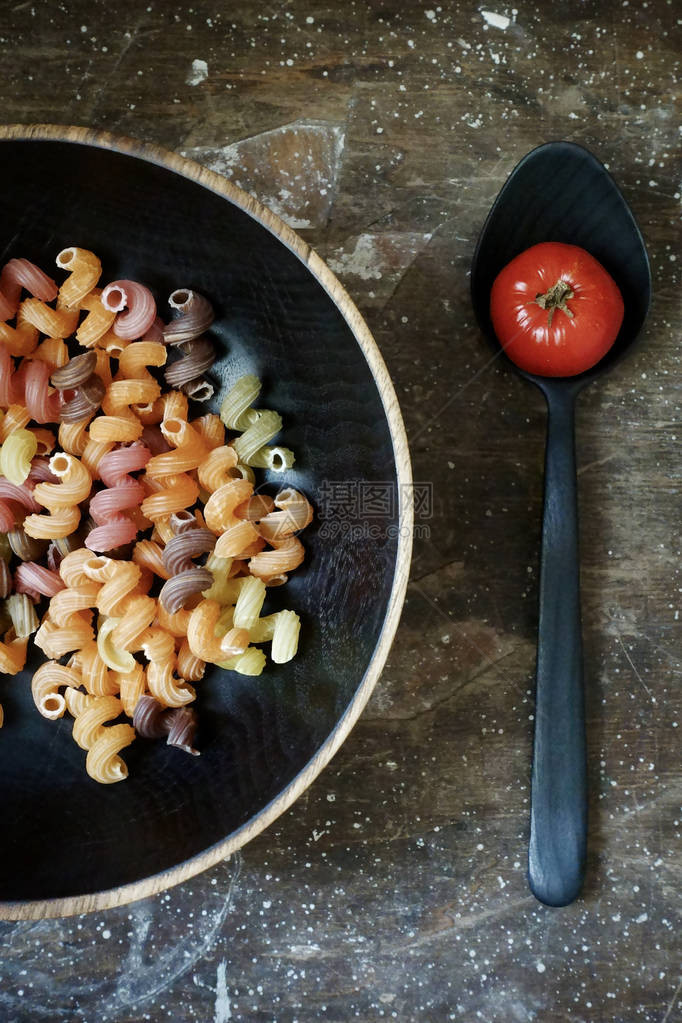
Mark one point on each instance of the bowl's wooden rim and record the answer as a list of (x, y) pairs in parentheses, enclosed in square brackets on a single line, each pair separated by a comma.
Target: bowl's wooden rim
[(189, 169)]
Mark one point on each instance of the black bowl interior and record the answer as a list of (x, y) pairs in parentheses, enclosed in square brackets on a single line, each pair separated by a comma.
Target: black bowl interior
[(560, 192), (64, 834)]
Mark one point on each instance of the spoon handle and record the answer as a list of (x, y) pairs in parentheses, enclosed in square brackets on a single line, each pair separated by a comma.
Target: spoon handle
[(558, 822)]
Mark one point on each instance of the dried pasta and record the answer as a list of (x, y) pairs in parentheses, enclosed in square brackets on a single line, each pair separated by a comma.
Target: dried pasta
[(134, 547)]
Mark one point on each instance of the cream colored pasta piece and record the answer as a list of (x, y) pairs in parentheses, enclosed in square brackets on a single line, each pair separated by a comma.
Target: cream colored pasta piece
[(249, 603), (263, 629), (95, 674), (225, 590), (49, 678), (139, 614), (237, 400), (131, 686), (225, 621), (56, 640), (72, 567), (159, 649), (102, 762), (77, 701), (119, 581), (251, 662), (243, 472), (285, 637), (84, 270), (87, 725), (120, 661), (77, 598)]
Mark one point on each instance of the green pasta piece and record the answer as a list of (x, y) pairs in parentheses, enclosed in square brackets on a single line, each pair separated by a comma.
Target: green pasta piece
[(267, 425), (238, 400), (16, 454), (5, 547), (276, 458), (23, 614)]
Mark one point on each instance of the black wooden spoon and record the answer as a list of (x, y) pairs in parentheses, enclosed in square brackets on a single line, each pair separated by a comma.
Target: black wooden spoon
[(560, 192)]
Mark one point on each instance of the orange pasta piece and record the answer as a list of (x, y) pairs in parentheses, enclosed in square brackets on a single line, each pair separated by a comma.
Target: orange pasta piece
[(12, 653), (52, 350), (15, 418), (85, 270), (53, 322), (19, 340), (118, 429), (97, 323), (179, 493), (147, 554), (286, 555), (219, 509)]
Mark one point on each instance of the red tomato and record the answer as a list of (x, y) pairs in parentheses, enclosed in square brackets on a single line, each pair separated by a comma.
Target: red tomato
[(555, 310)]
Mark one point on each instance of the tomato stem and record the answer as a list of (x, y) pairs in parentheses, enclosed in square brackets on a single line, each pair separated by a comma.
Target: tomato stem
[(555, 298)]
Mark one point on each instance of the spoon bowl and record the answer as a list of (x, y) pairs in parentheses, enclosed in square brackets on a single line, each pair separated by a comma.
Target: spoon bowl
[(560, 192)]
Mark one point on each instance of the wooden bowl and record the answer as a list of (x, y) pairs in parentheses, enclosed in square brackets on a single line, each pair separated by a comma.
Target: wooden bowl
[(69, 844)]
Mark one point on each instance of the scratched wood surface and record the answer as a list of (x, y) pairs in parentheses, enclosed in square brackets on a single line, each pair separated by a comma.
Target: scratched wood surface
[(395, 888)]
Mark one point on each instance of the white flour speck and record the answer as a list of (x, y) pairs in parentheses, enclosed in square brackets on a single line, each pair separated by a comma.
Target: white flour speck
[(496, 20), (198, 73), (223, 1008)]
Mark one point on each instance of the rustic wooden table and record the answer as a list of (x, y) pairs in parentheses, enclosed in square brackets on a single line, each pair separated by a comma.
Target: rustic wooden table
[(395, 888)]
